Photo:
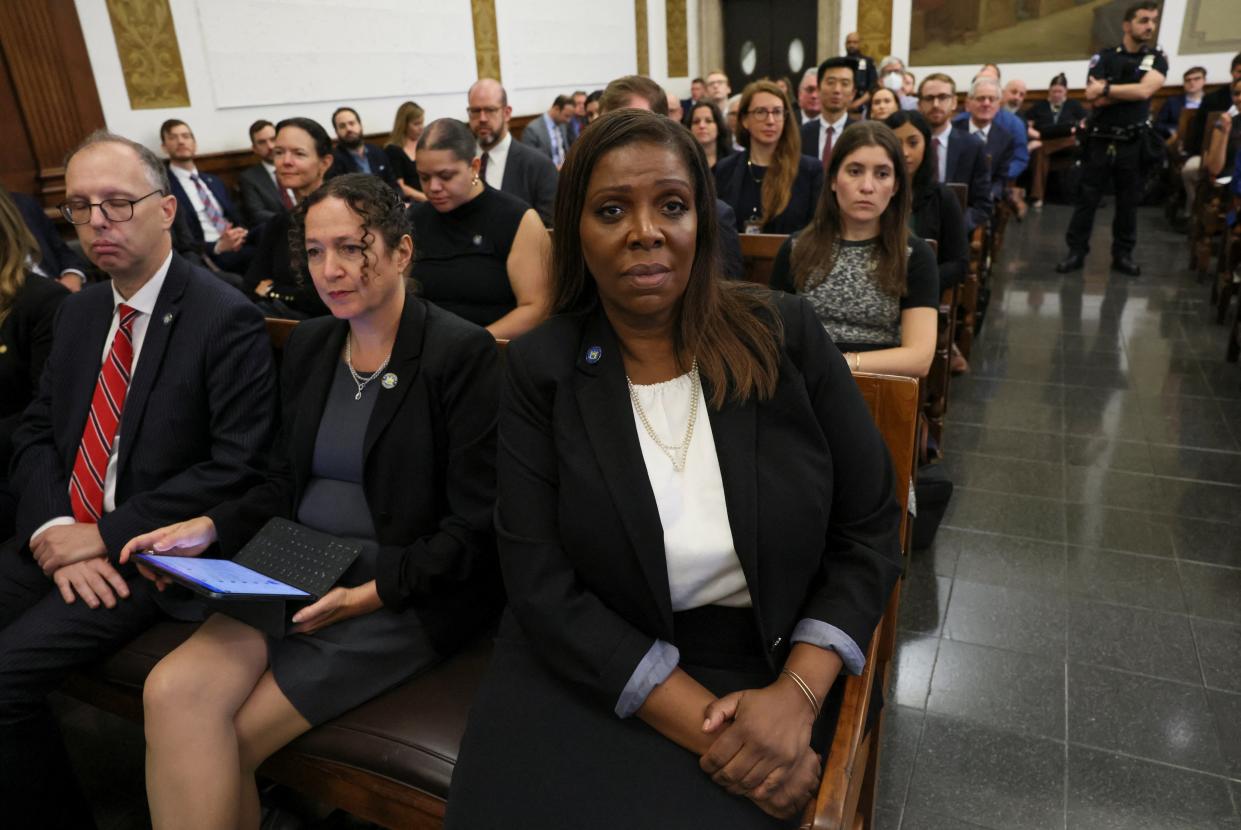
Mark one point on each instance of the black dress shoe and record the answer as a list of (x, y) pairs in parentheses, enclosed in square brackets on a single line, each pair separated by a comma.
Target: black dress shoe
[(1126, 266), (1072, 262)]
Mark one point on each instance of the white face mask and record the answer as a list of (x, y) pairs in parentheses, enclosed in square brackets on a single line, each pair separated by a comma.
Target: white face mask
[(893, 81)]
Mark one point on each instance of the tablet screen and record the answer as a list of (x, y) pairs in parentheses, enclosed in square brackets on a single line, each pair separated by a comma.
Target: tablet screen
[(221, 576)]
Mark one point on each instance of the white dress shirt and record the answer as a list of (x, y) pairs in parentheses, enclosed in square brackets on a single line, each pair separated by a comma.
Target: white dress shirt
[(210, 234), (838, 126), (497, 158), (143, 301), (941, 150)]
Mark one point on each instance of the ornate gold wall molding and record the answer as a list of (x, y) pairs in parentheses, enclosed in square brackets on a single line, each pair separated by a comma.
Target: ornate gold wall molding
[(678, 38), (486, 39), (1210, 26), (874, 26), (150, 57), (643, 41)]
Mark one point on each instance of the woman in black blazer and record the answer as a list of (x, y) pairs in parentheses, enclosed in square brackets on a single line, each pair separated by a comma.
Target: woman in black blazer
[(695, 518), (387, 437), (770, 185), (27, 307)]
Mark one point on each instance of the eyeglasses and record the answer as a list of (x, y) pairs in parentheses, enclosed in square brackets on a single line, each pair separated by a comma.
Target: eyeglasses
[(943, 98), (477, 111), (762, 113), (77, 211)]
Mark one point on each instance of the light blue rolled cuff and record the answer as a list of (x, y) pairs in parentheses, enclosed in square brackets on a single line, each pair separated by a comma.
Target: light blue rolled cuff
[(660, 659), (824, 635)]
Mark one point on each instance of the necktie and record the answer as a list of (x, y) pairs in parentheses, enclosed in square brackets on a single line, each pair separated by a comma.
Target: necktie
[(482, 168), (99, 436), (827, 147), (213, 210), (557, 147), (285, 198)]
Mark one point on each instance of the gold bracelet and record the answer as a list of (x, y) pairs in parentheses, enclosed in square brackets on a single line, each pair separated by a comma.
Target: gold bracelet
[(805, 689)]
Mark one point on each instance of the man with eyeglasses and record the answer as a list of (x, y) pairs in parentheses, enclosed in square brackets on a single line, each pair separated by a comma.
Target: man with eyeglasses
[(835, 97), (981, 106), (156, 404), (506, 164), (960, 158)]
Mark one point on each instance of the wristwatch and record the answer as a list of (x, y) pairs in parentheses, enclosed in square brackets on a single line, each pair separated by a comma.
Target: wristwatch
[(1107, 88)]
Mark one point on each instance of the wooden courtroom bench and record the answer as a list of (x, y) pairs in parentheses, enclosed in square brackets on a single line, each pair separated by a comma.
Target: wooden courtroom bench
[(390, 760), (970, 289), (1042, 163), (758, 254)]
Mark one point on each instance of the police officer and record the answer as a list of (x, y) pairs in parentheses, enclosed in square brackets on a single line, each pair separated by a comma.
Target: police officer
[(865, 75), (1121, 83)]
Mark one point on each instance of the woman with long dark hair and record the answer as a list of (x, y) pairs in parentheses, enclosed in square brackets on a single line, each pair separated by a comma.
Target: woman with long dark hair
[(695, 519), (935, 212), (883, 102), (770, 185), (707, 124), (873, 283)]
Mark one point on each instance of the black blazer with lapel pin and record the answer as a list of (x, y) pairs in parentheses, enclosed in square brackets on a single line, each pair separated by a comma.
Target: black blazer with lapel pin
[(807, 480), (198, 416), (429, 464)]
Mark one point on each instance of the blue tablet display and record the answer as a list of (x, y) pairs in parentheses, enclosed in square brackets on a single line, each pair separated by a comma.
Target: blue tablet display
[(221, 576)]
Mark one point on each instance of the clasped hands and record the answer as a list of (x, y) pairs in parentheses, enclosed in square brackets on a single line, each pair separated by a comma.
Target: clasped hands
[(762, 749)]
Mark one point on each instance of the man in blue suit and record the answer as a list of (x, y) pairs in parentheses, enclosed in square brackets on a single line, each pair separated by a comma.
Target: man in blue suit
[(56, 259), (960, 157), (203, 200), (1169, 118), (981, 107), (157, 402)]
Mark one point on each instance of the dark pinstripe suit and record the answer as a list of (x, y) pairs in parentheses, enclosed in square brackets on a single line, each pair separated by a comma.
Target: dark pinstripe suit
[(198, 417)]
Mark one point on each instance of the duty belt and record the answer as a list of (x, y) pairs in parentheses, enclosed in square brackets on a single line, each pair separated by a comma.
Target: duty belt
[(1118, 134)]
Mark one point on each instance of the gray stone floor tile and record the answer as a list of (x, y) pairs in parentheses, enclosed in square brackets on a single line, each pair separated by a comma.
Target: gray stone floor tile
[(1219, 650), (1003, 689), (1111, 528), (1211, 591), (1123, 578), (1006, 513), (1007, 618), (1132, 639)]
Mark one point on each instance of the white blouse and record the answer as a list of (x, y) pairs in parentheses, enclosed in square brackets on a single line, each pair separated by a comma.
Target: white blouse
[(703, 568)]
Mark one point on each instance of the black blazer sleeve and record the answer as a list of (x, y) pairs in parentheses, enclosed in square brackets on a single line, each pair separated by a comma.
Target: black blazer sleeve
[(980, 202), (862, 555), (581, 638), (729, 241), (260, 200), (27, 337)]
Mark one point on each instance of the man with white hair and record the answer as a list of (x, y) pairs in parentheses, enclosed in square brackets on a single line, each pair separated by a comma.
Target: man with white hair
[(1010, 123), (982, 106), (808, 95)]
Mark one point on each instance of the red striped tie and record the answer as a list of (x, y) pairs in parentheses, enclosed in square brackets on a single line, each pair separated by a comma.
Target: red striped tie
[(91, 465)]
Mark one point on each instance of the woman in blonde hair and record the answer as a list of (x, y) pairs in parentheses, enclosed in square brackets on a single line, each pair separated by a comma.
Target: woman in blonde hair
[(27, 305), (770, 185), (402, 149)]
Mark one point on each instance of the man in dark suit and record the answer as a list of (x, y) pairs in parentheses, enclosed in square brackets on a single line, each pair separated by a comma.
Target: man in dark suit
[(156, 403), (262, 197), (203, 199), (549, 132), (981, 107), (1217, 100), (835, 96), (353, 155), (509, 165), (56, 259), (960, 158), (697, 92)]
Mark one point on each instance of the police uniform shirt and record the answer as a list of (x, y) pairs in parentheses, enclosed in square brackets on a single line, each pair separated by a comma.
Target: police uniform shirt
[(1117, 67)]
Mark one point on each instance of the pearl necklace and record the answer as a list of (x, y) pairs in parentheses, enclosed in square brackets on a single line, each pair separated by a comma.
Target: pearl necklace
[(676, 453), (358, 380)]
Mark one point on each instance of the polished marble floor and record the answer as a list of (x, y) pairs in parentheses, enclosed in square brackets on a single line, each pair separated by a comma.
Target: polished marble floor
[(1070, 648)]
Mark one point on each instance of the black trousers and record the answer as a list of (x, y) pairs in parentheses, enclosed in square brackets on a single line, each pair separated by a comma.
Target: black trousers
[(43, 639), (1119, 161)]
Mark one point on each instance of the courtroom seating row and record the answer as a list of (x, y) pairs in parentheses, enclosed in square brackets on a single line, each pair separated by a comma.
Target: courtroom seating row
[(390, 760)]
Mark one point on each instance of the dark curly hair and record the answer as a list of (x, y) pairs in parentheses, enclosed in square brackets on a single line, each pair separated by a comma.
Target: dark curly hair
[(378, 206)]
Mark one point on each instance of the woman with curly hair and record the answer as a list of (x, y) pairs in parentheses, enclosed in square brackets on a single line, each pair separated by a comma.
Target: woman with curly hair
[(387, 438)]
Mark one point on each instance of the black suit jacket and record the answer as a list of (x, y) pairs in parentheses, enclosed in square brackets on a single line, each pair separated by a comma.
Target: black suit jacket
[(807, 481), (731, 171), (810, 132), (967, 164), (260, 200), (344, 162), (55, 255), (198, 416), (532, 177), (1217, 100), (233, 261), (1051, 125), (998, 148), (429, 468)]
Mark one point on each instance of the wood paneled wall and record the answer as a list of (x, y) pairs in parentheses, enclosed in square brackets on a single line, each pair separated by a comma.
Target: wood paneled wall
[(48, 83)]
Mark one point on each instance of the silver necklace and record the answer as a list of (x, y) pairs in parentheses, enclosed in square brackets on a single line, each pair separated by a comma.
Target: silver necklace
[(359, 380), (676, 453)]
